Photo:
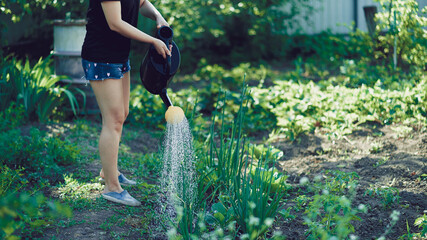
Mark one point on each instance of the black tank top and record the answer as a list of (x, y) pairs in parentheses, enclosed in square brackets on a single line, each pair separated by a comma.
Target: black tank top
[(101, 44)]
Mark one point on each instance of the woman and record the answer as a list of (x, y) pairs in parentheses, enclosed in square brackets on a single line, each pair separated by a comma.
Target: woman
[(105, 59)]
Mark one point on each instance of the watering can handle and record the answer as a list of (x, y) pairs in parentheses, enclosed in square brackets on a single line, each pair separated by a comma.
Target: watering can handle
[(168, 64)]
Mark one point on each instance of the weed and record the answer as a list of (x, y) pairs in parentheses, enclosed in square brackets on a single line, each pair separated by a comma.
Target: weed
[(286, 214), (421, 222), (388, 195), (376, 147), (338, 182), (42, 157), (329, 216), (11, 180), (402, 131), (381, 161), (395, 215), (78, 195), (301, 202), (109, 222)]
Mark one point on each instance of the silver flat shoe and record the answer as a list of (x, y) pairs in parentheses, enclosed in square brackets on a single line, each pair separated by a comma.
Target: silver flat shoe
[(123, 198)]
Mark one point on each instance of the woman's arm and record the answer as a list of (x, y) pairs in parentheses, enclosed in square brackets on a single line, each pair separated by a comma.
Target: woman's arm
[(112, 12), (148, 10)]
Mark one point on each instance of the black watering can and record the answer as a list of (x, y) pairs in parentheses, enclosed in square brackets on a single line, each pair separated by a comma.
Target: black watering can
[(156, 72)]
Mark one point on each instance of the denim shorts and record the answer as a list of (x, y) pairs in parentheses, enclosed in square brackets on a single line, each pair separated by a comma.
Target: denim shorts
[(100, 71)]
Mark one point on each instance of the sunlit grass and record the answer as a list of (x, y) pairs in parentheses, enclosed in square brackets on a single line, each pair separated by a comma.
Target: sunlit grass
[(78, 194)]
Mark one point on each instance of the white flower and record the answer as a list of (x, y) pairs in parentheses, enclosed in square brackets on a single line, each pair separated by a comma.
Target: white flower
[(253, 221), (244, 236), (318, 178), (362, 207), (304, 180), (395, 215), (171, 233), (268, 222), (352, 236)]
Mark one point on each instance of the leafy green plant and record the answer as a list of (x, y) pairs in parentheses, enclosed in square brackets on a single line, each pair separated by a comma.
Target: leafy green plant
[(35, 88), (330, 213), (421, 222), (21, 214), (301, 202), (339, 182), (222, 213), (286, 214), (376, 147), (10, 180), (388, 195), (258, 151), (329, 216), (337, 110)]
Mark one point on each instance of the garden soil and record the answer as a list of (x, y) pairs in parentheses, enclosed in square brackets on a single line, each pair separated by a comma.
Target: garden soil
[(403, 159), (382, 157)]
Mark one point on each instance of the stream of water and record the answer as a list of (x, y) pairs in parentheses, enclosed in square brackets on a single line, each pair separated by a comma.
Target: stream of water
[(178, 175)]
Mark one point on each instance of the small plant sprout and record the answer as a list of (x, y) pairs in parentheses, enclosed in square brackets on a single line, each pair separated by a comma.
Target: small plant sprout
[(376, 147), (381, 161), (388, 195)]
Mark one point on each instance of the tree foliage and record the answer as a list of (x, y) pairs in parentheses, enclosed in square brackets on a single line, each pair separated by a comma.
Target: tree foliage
[(231, 31), (405, 25)]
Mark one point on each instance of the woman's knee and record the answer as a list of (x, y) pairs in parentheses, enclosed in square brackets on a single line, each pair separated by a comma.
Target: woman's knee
[(126, 113), (115, 121)]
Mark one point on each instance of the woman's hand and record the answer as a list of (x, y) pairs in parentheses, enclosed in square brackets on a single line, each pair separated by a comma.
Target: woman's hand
[(161, 47), (161, 21)]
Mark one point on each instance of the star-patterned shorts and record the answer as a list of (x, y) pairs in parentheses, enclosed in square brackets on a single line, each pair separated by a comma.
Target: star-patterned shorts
[(101, 71)]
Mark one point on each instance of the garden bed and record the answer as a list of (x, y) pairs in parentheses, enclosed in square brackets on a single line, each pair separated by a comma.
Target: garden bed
[(380, 155)]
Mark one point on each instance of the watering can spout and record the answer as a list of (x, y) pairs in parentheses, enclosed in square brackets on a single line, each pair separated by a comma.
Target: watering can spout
[(165, 98)]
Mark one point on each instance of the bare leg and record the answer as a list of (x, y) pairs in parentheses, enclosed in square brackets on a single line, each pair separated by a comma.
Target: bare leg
[(109, 96), (126, 97)]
